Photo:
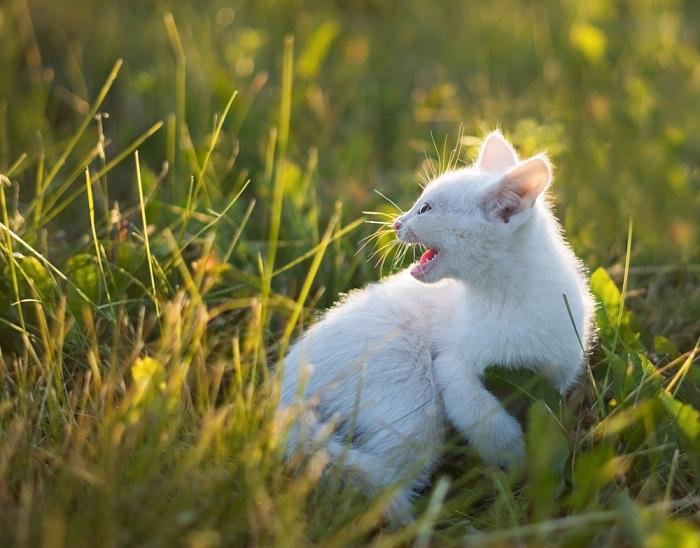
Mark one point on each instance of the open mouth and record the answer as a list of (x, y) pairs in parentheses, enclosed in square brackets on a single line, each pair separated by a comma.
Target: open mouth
[(425, 264)]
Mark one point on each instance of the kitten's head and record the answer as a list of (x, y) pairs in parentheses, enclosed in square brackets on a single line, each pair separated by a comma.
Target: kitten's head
[(472, 217)]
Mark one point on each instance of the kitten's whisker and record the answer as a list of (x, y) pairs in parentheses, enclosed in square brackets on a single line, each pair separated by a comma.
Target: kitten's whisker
[(398, 257), (443, 160), (456, 152), (387, 245), (378, 251), (451, 158), (387, 252), (390, 201), (401, 259), (380, 264), (429, 165), (368, 239), (458, 146), (399, 252), (385, 214), (423, 176), (437, 152), (376, 234), (394, 243), (404, 252), (374, 249)]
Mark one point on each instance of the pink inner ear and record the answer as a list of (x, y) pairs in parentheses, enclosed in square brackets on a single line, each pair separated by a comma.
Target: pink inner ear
[(507, 212), (529, 178), (505, 203), (519, 188), (496, 154)]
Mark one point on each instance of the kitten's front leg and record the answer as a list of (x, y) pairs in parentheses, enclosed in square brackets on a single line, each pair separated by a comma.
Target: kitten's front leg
[(564, 372), (478, 414)]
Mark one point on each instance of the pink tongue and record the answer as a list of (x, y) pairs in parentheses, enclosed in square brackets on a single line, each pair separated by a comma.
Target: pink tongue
[(429, 254)]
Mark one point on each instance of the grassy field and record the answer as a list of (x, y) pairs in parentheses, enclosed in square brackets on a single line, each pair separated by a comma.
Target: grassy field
[(183, 187)]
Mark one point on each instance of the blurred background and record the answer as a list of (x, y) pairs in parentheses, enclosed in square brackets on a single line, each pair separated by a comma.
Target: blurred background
[(611, 89)]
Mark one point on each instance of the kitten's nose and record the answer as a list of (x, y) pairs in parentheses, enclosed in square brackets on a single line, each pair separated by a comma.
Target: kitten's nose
[(396, 225)]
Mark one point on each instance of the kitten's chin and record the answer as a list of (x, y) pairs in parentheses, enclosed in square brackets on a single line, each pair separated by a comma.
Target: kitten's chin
[(425, 270), (427, 280)]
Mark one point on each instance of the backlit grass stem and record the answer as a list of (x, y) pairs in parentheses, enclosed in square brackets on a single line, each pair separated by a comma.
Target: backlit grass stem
[(621, 310), (149, 258), (101, 96), (96, 242), (193, 195), (57, 205), (10, 252), (277, 178)]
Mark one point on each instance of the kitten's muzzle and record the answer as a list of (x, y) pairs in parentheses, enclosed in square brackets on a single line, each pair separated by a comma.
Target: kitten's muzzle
[(403, 233)]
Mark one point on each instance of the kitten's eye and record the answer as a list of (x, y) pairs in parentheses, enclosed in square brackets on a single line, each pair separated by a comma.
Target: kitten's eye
[(425, 207)]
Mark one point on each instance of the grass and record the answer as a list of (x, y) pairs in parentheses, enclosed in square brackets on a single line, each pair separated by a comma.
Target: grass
[(173, 220)]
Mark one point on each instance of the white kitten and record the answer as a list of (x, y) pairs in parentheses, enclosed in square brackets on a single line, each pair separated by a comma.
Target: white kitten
[(376, 379)]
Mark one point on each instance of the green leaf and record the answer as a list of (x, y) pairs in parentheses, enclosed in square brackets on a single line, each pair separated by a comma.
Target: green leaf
[(593, 470), (618, 368), (38, 274), (608, 311), (686, 419), (83, 272), (665, 346), (659, 531), (518, 386), (673, 534), (608, 295), (548, 451), (131, 272)]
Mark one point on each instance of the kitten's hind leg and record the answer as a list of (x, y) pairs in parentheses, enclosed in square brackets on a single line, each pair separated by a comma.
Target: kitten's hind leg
[(400, 509), (369, 472), (373, 475)]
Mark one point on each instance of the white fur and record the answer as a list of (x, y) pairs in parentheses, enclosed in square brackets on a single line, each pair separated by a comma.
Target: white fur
[(376, 379)]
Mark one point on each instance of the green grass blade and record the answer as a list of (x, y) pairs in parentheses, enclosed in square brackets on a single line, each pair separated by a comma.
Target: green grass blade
[(101, 96), (149, 258), (56, 209), (98, 253)]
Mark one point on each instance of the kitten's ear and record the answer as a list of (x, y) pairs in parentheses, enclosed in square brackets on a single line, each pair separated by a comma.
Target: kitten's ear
[(519, 189), (496, 153)]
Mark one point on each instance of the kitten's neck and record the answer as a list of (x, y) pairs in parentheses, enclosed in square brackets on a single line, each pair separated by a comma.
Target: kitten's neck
[(533, 258)]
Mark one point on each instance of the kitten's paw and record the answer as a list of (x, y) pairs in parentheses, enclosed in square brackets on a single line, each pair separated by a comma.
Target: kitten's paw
[(502, 444)]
